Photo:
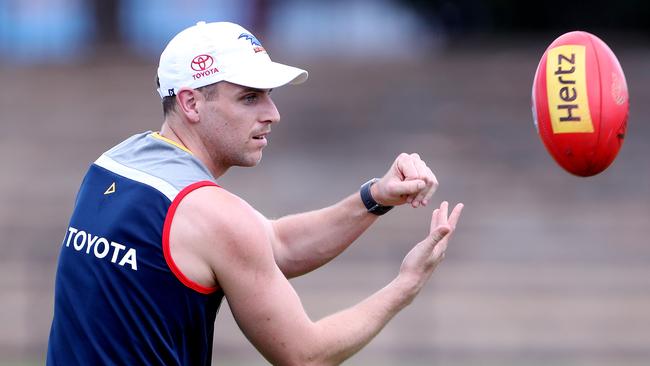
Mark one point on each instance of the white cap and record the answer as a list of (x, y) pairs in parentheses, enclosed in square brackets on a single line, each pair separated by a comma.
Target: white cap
[(211, 52)]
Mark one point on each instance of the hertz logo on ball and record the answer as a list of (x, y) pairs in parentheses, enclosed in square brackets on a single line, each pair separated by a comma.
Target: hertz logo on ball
[(568, 103), (580, 103)]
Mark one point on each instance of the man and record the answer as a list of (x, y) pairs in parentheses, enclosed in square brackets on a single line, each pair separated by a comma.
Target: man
[(154, 243)]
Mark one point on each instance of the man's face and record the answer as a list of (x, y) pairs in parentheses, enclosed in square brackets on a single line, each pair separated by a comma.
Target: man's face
[(235, 123)]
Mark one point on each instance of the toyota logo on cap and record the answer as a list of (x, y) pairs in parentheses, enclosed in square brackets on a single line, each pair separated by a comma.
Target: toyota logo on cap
[(201, 62)]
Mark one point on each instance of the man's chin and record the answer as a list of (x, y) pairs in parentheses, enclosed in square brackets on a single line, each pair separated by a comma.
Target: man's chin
[(253, 161)]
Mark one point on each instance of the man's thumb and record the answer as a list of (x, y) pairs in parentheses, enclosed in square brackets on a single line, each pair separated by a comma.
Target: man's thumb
[(439, 233), (409, 187)]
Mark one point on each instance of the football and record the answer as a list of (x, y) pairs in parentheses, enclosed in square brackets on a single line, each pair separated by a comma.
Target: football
[(580, 103)]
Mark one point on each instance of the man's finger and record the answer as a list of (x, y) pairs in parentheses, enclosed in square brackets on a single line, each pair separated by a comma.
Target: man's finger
[(444, 209), (408, 187), (419, 166), (439, 233), (426, 175), (434, 220), (406, 167), (455, 215), (432, 189)]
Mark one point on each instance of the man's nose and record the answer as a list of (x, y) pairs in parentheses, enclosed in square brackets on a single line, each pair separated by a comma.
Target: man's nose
[(271, 113)]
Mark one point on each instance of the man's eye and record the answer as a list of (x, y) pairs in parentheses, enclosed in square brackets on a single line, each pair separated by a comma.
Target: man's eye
[(250, 98)]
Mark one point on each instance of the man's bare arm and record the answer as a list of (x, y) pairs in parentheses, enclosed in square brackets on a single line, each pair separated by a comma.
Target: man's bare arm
[(306, 241), (234, 243)]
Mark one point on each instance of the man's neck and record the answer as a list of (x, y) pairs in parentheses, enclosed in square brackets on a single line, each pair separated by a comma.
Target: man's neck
[(192, 144)]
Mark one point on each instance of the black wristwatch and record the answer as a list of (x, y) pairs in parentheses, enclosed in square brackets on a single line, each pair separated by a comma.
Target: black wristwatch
[(371, 205)]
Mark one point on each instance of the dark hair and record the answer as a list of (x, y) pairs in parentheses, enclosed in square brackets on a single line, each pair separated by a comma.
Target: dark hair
[(169, 102)]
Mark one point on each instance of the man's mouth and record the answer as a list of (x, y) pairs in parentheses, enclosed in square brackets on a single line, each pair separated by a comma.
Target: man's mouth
[(261, 136)]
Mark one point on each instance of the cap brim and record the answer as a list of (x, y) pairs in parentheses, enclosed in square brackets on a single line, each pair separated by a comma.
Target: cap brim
[(267, 75)]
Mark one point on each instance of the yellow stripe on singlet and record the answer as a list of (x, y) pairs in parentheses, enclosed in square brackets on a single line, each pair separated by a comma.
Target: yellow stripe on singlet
[(163, 138)]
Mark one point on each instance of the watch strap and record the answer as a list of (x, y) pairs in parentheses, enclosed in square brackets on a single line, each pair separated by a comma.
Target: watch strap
[(371, 205)]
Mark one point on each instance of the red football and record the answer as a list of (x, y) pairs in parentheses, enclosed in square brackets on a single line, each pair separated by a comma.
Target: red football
[(580, 103)]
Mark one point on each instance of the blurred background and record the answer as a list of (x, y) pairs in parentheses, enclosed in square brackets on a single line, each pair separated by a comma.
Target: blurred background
[(545, 269)]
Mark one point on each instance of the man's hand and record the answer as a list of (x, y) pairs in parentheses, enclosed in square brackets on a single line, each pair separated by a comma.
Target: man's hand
[(419, 263), (409, 180)]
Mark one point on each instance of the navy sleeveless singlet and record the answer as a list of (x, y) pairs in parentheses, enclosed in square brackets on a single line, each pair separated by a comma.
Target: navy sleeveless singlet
[(119, 297)]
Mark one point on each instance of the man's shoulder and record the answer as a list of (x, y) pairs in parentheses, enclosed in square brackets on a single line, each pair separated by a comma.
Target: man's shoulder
[(222, 227), (129, 141), (221, 210), (155, 162)]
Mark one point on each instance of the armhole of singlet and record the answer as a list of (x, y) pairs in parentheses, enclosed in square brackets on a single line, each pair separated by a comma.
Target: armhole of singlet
[(165, 239)]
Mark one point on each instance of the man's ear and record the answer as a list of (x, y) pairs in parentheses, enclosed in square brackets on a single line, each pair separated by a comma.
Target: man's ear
[(187, 99)]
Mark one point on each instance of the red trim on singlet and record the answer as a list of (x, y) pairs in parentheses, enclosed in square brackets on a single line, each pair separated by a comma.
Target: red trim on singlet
[(165, 239)]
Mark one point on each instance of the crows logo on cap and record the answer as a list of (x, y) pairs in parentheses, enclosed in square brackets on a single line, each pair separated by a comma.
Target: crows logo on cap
[(257, 46)]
